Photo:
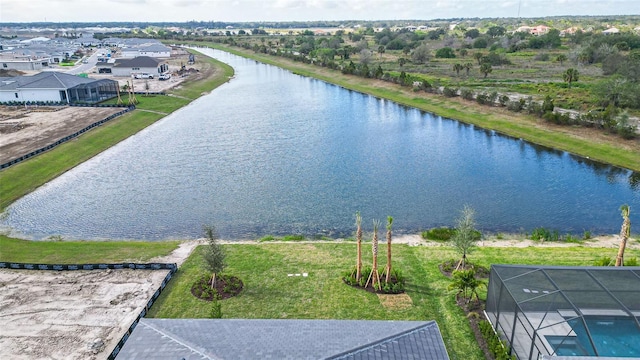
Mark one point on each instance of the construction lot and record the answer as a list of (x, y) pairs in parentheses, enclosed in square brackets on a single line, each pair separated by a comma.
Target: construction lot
[(70, 314)]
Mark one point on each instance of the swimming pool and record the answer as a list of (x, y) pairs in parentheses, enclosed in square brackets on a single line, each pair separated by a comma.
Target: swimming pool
[(612, 336)]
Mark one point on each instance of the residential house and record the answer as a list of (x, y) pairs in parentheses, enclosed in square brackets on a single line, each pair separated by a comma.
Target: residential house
[(151, 50), (611, 31), (535, 30), (129, 67), (51, 86)]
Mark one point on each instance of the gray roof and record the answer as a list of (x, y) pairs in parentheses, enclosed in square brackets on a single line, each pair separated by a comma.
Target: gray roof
[(154, 47), (140, 61), (44, 80), (283, 339)]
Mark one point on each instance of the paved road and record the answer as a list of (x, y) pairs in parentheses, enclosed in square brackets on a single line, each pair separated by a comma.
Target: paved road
[(85, 68)]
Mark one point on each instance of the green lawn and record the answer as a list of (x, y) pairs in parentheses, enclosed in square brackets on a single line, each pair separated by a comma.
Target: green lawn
[(81, 252), (270, 293)]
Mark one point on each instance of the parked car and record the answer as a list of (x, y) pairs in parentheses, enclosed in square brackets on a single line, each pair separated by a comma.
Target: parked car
[(142, 76), (165, 76)]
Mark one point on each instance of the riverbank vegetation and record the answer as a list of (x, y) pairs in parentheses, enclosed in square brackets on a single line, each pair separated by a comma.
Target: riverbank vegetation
[(564, 92), (20, 179)]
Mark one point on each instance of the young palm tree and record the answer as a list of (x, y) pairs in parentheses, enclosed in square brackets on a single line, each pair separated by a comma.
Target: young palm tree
[(570, 76), (625, 232), (374, 277), (359, 242), (457, 67), (389, 222)]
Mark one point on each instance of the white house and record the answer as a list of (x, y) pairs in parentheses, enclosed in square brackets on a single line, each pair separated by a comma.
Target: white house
[(128, 67), (56, 87), (151, 50), (611, 31)]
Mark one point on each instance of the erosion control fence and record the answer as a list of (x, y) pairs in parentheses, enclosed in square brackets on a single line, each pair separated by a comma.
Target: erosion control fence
[(71, 267)]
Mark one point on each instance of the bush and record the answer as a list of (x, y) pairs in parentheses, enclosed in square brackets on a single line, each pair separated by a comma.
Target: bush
[(439, 234), (450, 91), (496, 347), (466, 94), (603, 261)]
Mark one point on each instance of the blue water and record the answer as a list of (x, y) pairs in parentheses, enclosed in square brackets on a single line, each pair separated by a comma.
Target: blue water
[(271, 152), (612, 336)]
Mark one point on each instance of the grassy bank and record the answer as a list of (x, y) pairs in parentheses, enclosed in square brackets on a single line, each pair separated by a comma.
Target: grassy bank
[(78, 252), (595, 145), (20, 179), (270, 293)]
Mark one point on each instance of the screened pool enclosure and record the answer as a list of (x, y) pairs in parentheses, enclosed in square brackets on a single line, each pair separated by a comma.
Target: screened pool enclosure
[(548, 312)]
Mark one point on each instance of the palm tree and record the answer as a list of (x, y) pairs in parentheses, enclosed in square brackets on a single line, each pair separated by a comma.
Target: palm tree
[(478, 56), (457, 68), (467, 67), (380, 51), (570, 76), (374, 277), (486, 69), (561, 58), (402, 61), (359, 242), (625, 232), (466, 283), (389, 222)]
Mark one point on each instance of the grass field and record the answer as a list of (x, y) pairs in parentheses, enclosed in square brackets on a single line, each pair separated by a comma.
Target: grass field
[(81, 252), (270, 293)]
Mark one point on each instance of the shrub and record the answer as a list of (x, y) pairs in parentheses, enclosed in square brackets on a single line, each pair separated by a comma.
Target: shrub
[(216, 309), (496, 347), (482, 99), (631, 262), (293, 238), (603, 261), (439, 234), (450, 91), (466, 94), (586, 235)]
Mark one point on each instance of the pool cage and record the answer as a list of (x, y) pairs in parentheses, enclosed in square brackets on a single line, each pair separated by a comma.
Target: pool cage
[(548, 312)]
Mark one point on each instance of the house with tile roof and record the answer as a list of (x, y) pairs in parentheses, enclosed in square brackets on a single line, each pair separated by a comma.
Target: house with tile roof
[(248, 339), (51, 86)]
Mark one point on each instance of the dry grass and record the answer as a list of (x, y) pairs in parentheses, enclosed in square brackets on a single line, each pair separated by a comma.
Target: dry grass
[(395, 301)]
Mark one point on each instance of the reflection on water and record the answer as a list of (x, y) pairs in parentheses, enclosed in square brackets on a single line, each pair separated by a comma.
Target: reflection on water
[(276, 153)]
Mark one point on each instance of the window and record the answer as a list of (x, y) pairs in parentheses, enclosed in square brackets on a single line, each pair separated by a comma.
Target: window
[(4, 65), (16, 94), (136, 68)]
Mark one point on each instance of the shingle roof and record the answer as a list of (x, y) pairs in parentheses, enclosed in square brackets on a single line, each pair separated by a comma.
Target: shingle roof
[(283, 339), (44, 80), (140, 61)]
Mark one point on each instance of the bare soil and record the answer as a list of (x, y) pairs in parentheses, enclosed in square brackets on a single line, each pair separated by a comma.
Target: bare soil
[(60, 314), (25, 129)]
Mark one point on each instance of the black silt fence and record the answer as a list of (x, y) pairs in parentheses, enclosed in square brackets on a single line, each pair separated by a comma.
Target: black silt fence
[(66, 138)]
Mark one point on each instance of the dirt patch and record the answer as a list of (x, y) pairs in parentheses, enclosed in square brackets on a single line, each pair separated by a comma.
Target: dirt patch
[(61, 315), (24, 129), (395, 301)]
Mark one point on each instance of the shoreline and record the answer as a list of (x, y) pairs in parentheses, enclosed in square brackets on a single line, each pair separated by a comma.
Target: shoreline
[(591, 147)]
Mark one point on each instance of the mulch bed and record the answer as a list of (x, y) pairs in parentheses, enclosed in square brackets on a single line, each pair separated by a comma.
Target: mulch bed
[(447, 268), (226, 287), (474, 312)]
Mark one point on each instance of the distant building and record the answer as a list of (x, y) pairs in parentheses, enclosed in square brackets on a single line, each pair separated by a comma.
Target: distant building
[(535, 30), (51, 86), (611, 31), (128, 67), (151, 50)]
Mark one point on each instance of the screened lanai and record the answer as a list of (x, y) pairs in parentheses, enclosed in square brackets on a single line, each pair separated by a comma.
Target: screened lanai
[(93, 92), (566, 311)]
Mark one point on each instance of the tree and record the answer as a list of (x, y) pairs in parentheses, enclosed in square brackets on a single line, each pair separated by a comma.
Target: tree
[(457, 68), (421, 54), (625, 232), (213, 254), (402, 61), (496, 31), (569, 76), (380, 51), (365, 56), (478, 56), (374, 277), (466, 235), (446, 53), (467, 67), (472, 33), (561, 58), (388, 270), (486, 68), (359, 245)]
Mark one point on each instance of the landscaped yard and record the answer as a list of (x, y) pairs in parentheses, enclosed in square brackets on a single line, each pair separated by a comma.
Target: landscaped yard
[(270, 291)]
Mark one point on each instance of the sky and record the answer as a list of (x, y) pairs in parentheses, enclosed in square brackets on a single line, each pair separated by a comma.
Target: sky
[(298, 10)]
